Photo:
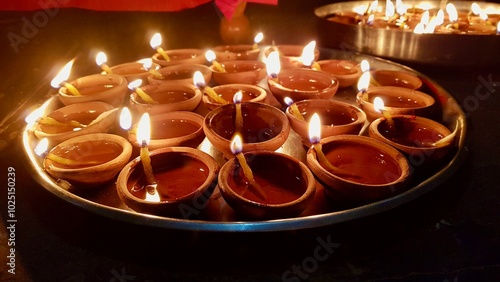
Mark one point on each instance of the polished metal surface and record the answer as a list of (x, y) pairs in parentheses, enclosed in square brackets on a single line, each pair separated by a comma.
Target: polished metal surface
[(106, 202), (452, 50)]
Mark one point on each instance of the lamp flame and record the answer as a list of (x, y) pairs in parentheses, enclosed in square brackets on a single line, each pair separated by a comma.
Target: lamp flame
[(401, 8), (144, 130), (475, 8), (307, 56), (373, 7), (452, 12), (258, 38), (315, 129), (63, 75), (378, 104), (389, 9), (365, 66), (155, 41), (236, 145), (210, 55), (238, 96), (364, 82), (36, 114), (42, 147), (146, 63), (101, 58), (125, 119), (288, 101), (134, 84), (273, 65), (198, 79), (360, 10)]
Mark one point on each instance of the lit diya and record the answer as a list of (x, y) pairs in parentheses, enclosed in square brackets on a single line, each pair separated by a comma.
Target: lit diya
[(423, 140), (336, 117), (167, 58), (347, 72), (264, 127), (290, 56), (169, 181), (179, 73), (86, 160), (109, 88), (250, 93), (299, 83), (241, 71), (396, 78), (135, 70), (280, 186), (239, 51), (165, 97), (74, 120)]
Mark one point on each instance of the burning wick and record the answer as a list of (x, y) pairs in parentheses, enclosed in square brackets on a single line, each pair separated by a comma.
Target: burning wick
[(147, 64), (41, 150), (155, 43), (134, 85), (101, 59), (143, 137), (258, 38), (199, 82), (236, 148), (60, 79), (273, 65), (210, 56), (315, 138), (378, 104), (307, 56), (294, 110), (238, 96)]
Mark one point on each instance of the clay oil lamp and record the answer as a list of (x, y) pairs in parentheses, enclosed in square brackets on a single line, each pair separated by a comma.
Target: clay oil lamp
[(239, 51), (347, 72), (336, 117), (135, 70), (172, 129), (241, 72), (165, 97), (290, 55), (250, 93), (398, 100), (422, 140), (358, 169), (265, 185), (264, 127), (109, 88), (86, 160), (299, 83), (166, 58), (75, 120), (395, 78), (167, 181), (179, 73)]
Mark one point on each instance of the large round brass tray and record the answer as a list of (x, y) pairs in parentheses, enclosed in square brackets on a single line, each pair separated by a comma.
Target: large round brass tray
[(106, 201), (450, 50)]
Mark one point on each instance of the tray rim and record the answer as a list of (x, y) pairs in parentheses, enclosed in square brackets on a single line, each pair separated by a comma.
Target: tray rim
[(285, 224)]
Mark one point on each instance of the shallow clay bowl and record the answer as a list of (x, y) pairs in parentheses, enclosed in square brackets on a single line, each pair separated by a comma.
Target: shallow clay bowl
[(236, 52), (397, 101), (251, 93), (113, 151), (181, 73), (347, 72), (301, 84), (133, 70), (264, 127), (187, 176), (109, 88), (290, 55), (413, 136), (173, 129), (396, 78), (95, 116), (336, 118), (242, 72), (288, 183), (382, 171), (173, 96), (181, 56)]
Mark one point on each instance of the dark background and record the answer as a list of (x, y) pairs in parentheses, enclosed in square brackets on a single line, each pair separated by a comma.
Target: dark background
[(449, 234)]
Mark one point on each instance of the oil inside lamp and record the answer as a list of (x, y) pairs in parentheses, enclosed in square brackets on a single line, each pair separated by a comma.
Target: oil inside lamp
[(155, 43), (273, 65), (378, 104), (236, 148), (199, 82), (134, 85), (101, 59), (307, 57), (257, 39), (210, 56), (63, 75)]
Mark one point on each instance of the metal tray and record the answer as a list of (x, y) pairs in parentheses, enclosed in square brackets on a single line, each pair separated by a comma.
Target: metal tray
[(444, 50), (214, 218)]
